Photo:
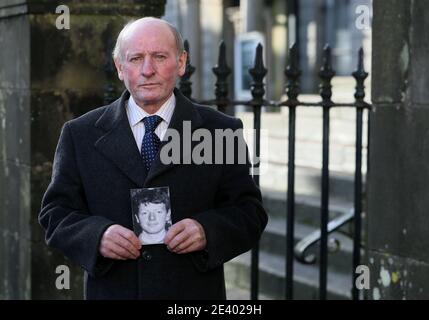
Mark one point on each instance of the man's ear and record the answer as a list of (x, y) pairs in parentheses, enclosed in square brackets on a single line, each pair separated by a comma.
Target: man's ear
[(182, 63), (118, 65)]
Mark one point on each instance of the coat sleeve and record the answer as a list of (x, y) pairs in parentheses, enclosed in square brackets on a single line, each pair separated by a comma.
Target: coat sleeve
[(235, 225), (64, 214)]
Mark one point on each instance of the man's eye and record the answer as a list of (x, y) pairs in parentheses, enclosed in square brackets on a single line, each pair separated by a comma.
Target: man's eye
[(134, 59), (160, 57)]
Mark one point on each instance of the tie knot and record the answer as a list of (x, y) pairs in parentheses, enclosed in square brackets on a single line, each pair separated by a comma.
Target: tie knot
[(151, 122)]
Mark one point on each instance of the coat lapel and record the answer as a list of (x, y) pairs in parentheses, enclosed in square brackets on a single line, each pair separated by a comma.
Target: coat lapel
[(184, 111), (118, 143)]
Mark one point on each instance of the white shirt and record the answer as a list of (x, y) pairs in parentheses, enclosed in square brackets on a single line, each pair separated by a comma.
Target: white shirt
[(136, 114)]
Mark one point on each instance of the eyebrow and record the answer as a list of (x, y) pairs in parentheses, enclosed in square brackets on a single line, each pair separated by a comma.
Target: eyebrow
[(133, 54)]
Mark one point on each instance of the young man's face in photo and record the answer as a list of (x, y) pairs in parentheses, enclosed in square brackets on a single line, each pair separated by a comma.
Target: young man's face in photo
[(152, 217)]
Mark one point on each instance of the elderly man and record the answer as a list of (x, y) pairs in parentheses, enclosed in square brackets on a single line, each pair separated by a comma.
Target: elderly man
[(216, 209)]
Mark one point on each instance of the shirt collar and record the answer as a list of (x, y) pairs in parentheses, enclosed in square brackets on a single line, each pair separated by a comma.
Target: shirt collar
[(136, 114)]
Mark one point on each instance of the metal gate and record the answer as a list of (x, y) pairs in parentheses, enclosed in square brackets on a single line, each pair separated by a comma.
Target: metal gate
[(293, 73)]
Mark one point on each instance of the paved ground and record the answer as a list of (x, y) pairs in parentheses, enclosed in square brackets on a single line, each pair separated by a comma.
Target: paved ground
[(234, 293)]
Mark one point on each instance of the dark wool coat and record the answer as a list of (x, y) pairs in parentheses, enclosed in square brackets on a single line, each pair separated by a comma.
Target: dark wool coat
[(96, 164)]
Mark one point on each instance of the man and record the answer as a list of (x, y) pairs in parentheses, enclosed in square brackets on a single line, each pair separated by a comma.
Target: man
[(216, 208), (153, 215)]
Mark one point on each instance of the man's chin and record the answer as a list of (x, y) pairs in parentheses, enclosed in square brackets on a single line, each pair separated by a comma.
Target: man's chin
[(146, 99), (153, 231)]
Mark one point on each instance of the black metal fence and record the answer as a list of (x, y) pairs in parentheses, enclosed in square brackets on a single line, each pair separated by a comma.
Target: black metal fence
[(293, 73)]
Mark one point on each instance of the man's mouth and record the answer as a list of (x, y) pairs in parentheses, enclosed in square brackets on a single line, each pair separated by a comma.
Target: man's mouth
[(148, 85)]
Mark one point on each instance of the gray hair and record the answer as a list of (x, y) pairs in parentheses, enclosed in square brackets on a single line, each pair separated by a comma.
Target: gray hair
[(117, 51)]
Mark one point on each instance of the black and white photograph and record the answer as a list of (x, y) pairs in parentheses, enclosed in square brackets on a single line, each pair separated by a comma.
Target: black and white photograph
[(151, 214)]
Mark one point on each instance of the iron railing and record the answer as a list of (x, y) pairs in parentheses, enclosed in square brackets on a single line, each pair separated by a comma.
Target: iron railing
[(293, 73)]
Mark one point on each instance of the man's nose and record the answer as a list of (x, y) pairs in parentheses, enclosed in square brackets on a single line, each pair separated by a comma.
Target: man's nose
[(152, 216), (147, 68)]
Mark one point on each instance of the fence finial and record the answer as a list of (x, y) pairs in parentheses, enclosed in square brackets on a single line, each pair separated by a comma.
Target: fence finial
[(326, 73), (185, 85), (292, 73), (258, 73), (222, 71), (360, 76)]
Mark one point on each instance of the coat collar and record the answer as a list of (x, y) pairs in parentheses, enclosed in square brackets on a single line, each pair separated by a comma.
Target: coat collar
[(118, 144)]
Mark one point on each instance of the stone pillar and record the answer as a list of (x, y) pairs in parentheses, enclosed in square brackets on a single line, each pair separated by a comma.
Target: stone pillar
[(212, 25), (15, 167), (47, 76), (185, 15), (398, 186), (279, 40), (252, 15), (231, 28), (190, 28), (308, 44)]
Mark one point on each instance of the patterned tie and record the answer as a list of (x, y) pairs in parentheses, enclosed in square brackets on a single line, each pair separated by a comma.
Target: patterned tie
[(150, 142)]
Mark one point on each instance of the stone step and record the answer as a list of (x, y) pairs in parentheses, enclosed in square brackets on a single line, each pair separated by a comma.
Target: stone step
[(273, 241), (273, 251), (342, 156), (272, 278), (235, 293), (308, 181), (307, 207)]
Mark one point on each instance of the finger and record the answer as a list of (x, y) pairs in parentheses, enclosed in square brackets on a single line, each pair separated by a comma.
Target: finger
[(123, 253), (174, 230), (195, 243), (127, 245), (113, 255), (107, 253), (178, 240), (189, 249), (184, 245), (130, 242), (136, 242), (130, 236)]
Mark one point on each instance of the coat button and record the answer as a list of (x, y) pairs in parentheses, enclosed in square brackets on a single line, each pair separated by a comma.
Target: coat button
[(146, 255)]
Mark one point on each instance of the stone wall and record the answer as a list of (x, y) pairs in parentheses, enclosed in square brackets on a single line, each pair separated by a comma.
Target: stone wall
[(398, 188)]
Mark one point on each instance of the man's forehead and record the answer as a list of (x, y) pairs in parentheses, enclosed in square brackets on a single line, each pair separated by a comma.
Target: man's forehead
[(147, 204), (151, 32), (137, 51)]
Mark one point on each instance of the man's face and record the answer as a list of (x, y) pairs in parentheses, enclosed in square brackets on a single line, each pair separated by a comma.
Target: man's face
[(152, 216), (149, 64)]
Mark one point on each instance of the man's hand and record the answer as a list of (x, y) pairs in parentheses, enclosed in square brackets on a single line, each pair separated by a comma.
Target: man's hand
[(186, 236), (119, 243)]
